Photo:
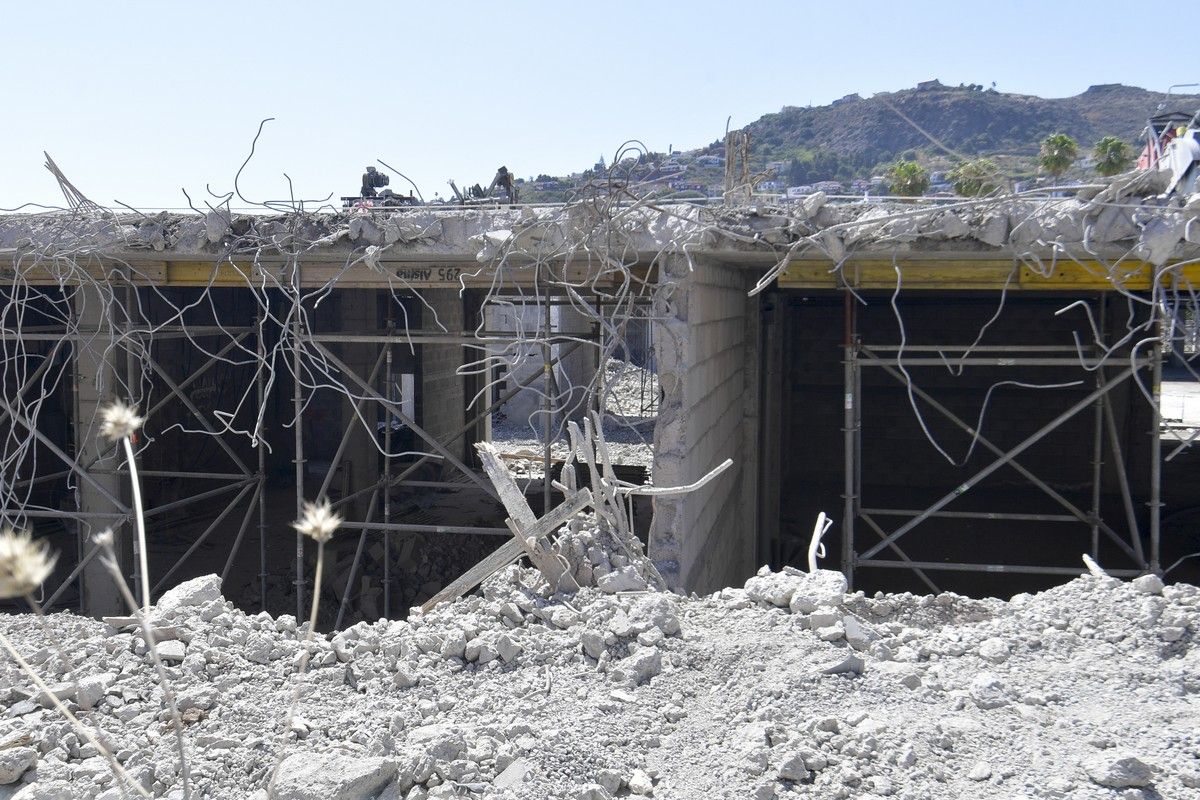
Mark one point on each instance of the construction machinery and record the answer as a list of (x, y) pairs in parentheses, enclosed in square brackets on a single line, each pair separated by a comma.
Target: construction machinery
[(477, 195), (371, 196)]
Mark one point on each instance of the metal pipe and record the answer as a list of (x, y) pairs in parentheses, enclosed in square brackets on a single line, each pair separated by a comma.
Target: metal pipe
[(1004, 362), (405, 528), (1040, 434), (387, 494), (1114, 444), (358, 551), (71, 464), (417, 429), (548, 425), (1098, 439), (345, 440), (237, 542), (1156, 449), (260, 392), (1005, 568), (298, 412), (849, 368), (212, 526), (186, 501), (904, 512), (504, 398), (895, 548)]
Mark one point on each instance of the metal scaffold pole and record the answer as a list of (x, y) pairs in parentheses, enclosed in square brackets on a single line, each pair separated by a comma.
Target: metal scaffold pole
[(260, 393), (849, 437), (298, 413)]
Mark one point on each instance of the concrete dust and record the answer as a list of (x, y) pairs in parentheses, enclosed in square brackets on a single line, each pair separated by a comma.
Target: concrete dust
[(785, 688)]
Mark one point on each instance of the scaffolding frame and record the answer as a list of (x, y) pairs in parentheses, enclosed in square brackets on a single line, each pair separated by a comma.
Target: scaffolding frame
[(243, 487), (858, 356)]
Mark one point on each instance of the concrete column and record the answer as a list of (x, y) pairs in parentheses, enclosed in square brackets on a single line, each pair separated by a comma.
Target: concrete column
[(576, 372), (706, 539), (95, 372), (442, 389)]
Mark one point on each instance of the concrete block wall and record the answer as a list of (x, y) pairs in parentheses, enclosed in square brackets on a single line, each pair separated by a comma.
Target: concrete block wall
[(704, 540), (443, 391)]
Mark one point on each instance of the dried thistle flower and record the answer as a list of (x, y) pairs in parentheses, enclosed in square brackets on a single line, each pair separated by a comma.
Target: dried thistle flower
[(318, 522), (24, 563), (119, 421)]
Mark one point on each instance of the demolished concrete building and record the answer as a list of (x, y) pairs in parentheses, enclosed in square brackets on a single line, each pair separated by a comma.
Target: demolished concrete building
[(970, 388)]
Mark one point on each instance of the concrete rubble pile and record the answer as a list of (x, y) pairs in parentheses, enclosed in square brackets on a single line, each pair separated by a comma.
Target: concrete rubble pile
[(788, 687)]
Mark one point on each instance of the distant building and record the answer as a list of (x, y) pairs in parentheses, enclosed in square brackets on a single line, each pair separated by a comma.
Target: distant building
[(829, 187), (711, 161)]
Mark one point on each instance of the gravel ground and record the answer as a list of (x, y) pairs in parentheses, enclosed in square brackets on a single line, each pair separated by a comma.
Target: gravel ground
[(784, 688)]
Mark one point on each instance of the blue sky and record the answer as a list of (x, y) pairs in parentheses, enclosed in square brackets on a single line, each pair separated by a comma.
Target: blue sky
[(136, 100)]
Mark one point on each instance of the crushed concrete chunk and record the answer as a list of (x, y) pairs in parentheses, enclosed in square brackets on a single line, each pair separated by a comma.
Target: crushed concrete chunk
[(1118, 770), (190, 594), (14, 761), (331, 776)]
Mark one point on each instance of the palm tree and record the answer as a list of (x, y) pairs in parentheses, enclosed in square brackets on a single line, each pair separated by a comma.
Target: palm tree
[(975, 178), (1057, 154), (908, 179), (1112, 156)]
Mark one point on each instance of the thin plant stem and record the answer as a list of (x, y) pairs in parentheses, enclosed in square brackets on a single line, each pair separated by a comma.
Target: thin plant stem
[(303, 667), (79, 726), (140, 521), (110, 563)]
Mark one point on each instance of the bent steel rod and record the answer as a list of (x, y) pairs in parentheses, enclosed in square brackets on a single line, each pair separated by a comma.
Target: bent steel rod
[(1007, 458)]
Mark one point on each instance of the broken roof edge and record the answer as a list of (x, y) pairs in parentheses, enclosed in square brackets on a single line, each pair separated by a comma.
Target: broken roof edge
[(1125, 219)]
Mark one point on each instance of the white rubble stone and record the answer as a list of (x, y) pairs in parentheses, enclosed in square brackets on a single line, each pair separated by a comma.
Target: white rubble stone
[(994, 649), (980, 772), (190, 594), (172, 652), (823, 588), (508, 648), (610, 779), (640, 783), (593, 791), (988, 691), (1148, 584), (639, 667), (858, 636), (91, 689), (794, 768), (622, 579), (14, 761), (592, 643), (331, 776), (1118, 770), (773, 588)]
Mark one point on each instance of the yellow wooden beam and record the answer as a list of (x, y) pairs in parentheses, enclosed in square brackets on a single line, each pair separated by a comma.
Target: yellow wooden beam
[(963, 274)]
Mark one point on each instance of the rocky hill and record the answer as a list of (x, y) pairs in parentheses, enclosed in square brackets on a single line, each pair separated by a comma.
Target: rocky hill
[(968, 119), (855, 137)]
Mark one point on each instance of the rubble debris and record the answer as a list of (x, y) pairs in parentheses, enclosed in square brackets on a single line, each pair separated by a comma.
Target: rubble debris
[(521, 692)]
